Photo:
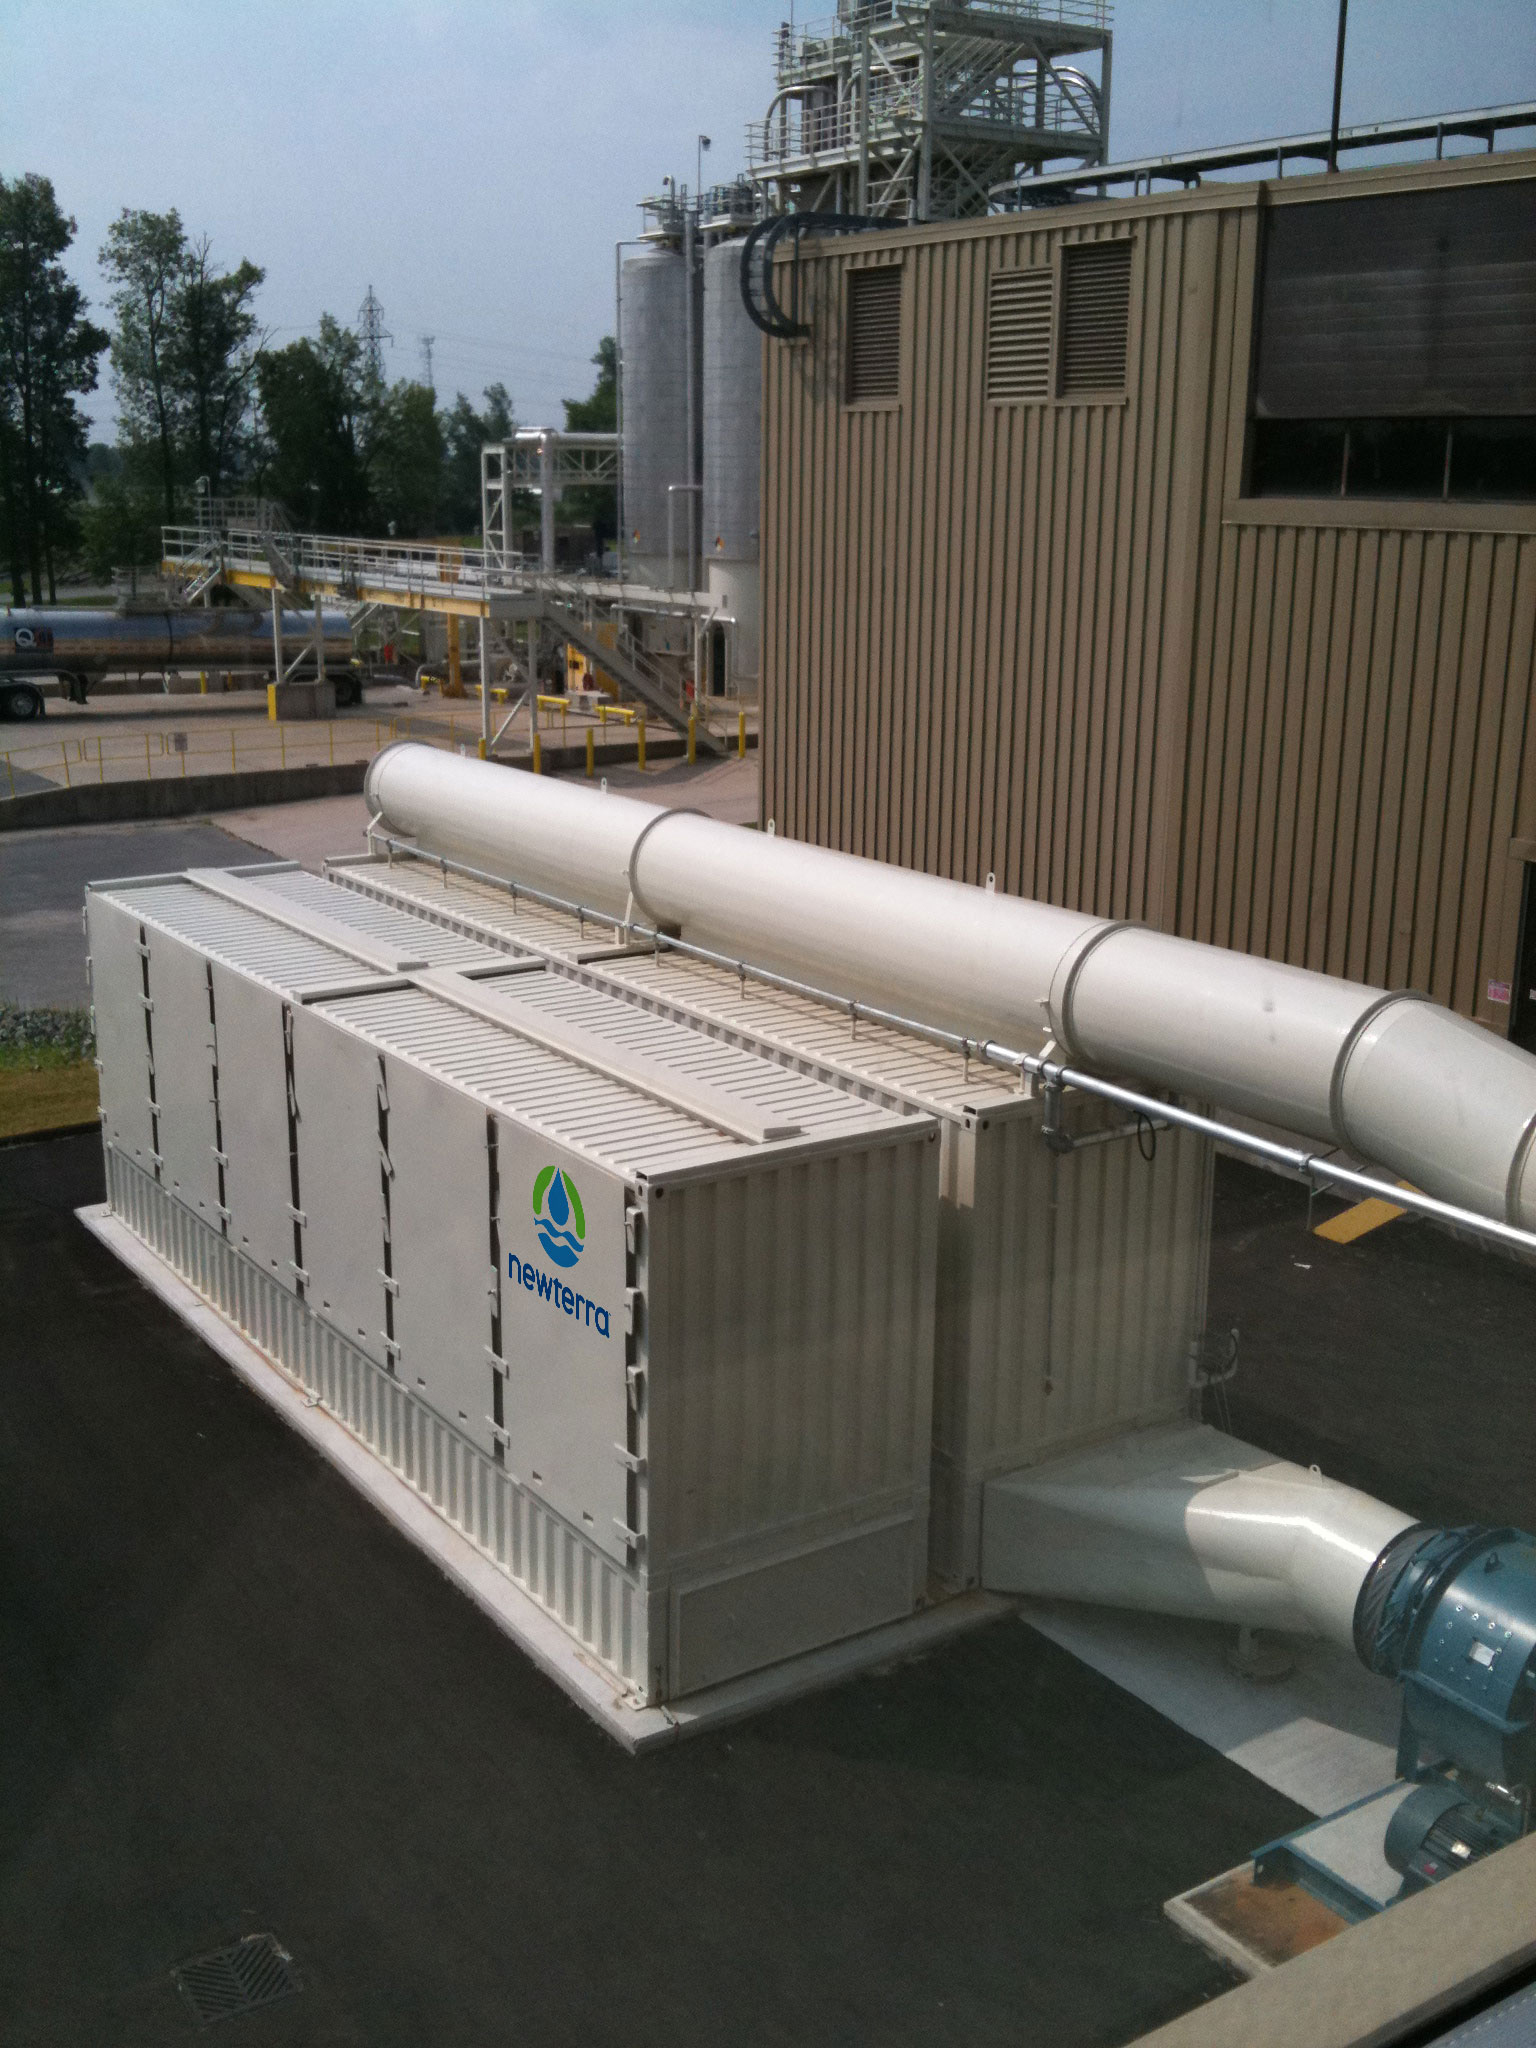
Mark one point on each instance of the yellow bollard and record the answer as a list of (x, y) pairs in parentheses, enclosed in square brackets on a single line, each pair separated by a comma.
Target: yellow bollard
[(272, 702), (481, 749), (538, 755), (693, 737), (591, 753), (741, 735), (640, 744)]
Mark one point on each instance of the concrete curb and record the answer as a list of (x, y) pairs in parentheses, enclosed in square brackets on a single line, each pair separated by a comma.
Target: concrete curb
[(110, 803)]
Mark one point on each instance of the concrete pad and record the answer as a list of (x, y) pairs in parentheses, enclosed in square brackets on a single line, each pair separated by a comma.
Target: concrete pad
[(1325, 1736), (307, 833)]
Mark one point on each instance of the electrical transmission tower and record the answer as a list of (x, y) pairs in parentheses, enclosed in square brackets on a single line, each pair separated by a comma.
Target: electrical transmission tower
[(373, 334), (426, 361)]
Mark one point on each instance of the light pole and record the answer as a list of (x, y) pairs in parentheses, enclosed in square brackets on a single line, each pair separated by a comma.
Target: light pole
[(1338, 89)]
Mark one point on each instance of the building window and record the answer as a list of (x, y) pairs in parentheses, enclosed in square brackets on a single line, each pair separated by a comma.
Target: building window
[(1397, 347), (874, 335), (1019, 336), (1095, 319)]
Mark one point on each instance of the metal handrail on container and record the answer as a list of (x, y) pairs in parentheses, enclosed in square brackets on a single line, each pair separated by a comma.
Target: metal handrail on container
[(1320, 1171)]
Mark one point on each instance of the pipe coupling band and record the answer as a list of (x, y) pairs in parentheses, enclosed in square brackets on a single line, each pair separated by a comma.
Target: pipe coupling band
[(1348, 1049), (1524, 1153), (631, 875), (369, 789), (1064, 981)]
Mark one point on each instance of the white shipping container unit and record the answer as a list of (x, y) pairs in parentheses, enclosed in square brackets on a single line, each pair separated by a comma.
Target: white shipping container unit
[(1071, 1285), (644, 1312)]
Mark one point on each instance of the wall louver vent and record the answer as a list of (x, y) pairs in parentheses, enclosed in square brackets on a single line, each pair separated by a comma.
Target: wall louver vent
[(874, 334), (1096, 308), (1019, 335)]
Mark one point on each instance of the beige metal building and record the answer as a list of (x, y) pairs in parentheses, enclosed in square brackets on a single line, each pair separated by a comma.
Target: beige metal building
[(1174, 558)]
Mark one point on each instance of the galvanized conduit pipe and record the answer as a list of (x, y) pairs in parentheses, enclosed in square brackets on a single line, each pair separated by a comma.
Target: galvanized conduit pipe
[(1393, 1077)]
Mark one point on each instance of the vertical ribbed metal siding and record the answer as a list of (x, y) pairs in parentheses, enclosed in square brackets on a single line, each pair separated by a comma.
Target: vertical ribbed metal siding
[(1071, 1290), (995, 635), (793, 1310), (604, 1607), (1356, 770)]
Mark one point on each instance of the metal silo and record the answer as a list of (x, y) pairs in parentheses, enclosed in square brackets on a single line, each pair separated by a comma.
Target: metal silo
[(733, 408), (654, 394)]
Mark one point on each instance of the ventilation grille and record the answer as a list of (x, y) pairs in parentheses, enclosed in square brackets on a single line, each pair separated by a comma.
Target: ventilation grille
[(1096, 294), (1019, 335), (874, 334)]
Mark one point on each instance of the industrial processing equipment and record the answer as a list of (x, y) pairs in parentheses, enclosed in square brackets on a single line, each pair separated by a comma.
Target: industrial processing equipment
[(80, 647), (899, 1316)]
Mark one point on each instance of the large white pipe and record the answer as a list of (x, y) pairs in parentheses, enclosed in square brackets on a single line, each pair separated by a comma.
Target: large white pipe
[(1188, 1521), (1390, 1076)]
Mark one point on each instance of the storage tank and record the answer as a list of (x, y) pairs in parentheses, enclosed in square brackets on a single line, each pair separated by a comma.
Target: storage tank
[(86, 645), (733, 411), (654, 392), (733, 417)]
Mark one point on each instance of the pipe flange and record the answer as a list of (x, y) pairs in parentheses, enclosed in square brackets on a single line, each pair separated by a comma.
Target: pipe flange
[(637, 895), (1077, 957), (1347, 1050)]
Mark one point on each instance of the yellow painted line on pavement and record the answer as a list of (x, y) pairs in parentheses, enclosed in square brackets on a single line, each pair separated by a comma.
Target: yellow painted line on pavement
[(1362, 1217)]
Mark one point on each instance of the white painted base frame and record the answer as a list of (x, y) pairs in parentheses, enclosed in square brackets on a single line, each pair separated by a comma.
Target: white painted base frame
[(514, 1612)]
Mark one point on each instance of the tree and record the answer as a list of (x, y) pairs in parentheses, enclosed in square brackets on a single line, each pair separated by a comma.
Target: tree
[(214, 347), (142, 255), (184, 353), (405, 459), (465, 432), (48, 352), (596, 505), (313, 412)]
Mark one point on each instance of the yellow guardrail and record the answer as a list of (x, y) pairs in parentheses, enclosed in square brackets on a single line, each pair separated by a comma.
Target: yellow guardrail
[(199, 747)]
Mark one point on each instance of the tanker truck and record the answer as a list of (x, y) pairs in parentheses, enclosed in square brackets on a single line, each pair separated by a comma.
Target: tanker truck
[(80, 647)]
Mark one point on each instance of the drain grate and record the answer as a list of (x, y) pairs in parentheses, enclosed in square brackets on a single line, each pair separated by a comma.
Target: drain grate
[(242, 1978)]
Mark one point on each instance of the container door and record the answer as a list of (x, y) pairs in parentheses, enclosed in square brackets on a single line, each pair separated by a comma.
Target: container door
[(440, 1255), (337, 1080), (563, 1328), (184, 1057), (122, 1035), (253, 1104)]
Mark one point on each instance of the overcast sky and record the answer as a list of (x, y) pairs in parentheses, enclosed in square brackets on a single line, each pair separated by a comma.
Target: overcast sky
[(476, 160)]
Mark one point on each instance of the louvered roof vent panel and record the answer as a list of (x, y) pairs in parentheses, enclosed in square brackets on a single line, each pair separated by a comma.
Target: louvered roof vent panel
[(1095, 319)]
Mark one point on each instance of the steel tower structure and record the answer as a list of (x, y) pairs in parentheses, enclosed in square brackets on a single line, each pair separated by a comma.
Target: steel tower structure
[(915, 109)]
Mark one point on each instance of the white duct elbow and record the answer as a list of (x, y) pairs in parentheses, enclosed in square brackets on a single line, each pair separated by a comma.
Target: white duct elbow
[(1188, 1521), (1393, 1077)]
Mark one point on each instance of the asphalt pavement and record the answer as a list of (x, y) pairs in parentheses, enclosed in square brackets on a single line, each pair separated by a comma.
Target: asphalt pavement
[(237, 1702), (42, 891)]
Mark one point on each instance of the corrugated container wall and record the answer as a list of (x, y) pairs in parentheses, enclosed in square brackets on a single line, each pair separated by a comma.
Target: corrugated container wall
[(1038, 630), (649, 1318), (1071, 1285)]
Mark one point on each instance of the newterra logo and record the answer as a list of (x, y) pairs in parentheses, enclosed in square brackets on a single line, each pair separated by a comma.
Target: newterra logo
[(561, 1226), (558, 1216)]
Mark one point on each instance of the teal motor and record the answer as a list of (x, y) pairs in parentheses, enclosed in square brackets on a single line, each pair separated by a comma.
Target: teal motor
[(1451, 1615)]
